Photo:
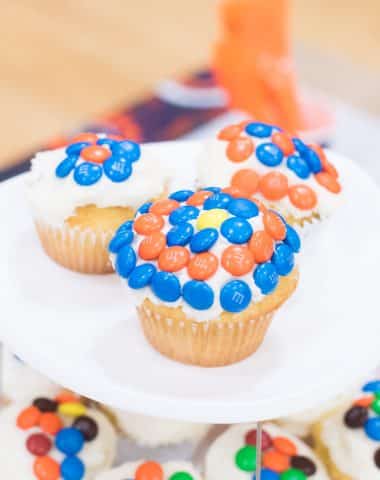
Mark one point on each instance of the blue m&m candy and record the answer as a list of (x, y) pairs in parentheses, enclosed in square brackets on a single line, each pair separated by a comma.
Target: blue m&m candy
[(235, 296), (183, 214), (372, 428), (373, 387), (127, 149), (180, 234), (124, 227), (219, 200), (236, 230), (141, 276), (212, 189), (72, 468), (181, 195), (198, 294), (204, 240), (66, 166), (119, 240), (117, 169), (258, 129), (87, 173), (241, 207), (106, 141), (269, 154), (283, 259), (266, 277), (76, 148), (312, 160), (300, 146), (69, 441), (145, 207), (267, 474), (298, 165), (292, 239), (125, 261), (166, 286)]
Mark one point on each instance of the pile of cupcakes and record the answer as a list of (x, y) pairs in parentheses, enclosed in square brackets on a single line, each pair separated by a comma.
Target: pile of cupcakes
[(206, 266)]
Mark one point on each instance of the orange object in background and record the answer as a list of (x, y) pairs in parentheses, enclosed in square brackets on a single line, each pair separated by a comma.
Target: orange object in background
[(253, 61)]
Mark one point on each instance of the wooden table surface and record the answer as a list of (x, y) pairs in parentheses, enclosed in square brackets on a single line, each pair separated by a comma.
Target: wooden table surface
[(64, 61)]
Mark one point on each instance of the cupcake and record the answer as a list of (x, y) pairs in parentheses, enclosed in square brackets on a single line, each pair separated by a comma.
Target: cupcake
[(259, 161), (53, 439), (80, 194), (154, 432), (348, 439), (284, 456), (206, 272), (150, 470)]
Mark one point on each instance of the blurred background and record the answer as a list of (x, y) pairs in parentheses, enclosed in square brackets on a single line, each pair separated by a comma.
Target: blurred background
[(64, 61)]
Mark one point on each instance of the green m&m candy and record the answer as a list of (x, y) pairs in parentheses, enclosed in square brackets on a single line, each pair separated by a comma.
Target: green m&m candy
[(375, 405), (293, 474), (181, 476), (245, 458)]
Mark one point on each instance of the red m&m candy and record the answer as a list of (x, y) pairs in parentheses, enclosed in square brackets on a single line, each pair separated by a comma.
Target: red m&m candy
[(149, 471), (251, 439), (38, 444)]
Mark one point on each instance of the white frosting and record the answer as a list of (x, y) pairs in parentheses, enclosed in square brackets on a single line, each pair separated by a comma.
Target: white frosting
[(216, 168), (220, 458), (16, 462), (152, 431), (55, 199), (216, 282), (127, 470), (351, 450)]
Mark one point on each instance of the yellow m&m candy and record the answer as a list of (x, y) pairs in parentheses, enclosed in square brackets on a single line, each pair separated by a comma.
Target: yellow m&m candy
[(211, 218), (72, 409)]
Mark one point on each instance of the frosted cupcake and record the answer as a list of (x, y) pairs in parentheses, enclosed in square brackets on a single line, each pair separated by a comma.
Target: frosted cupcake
[(348, 440), (256, 160), (81, 193), (53, 439), (206, 272), (285, 457), (150, 470), (153, 432)]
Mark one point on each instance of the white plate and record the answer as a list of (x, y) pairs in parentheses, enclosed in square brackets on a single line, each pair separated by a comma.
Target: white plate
[(78, 330)]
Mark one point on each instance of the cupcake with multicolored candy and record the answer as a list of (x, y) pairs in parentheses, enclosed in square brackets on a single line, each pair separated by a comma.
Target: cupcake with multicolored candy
[(348, 440), (206, 272), (54, 439), (151, 470), (284, 457), (81, 193), (259, 161)]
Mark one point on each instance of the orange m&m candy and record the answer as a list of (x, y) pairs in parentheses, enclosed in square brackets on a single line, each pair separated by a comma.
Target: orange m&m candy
[(274, 226), (198, 198), (149, 471), (284, 142), (50, 423), (261, 245), (240, 149), (95, 153), (234, 192), (328, 181), (230, 132), (172, 259), (237, 260), (67, 397), (276, 461), (273, 185), (246, 180), (85, 137), (364, 401), (152, 245), (202, 266), (148, 223), (303, 197), (164, 207), (28, 418), (284, 445), (46, 468), (326, 165)]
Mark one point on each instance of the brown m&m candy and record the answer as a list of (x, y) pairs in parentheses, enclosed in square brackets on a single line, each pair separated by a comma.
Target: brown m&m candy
[(304, 464), (87, 426), (45, 404), (376, 458), (356, 417)]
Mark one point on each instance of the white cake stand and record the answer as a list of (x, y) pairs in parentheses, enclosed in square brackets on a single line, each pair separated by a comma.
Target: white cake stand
[(80, 331)]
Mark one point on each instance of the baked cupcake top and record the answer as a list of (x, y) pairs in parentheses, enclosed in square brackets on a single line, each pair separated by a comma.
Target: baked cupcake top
[(353, 435), (234, 453), (150, 470), (261, 160), (94, 169), (204, 251), (52, 439)]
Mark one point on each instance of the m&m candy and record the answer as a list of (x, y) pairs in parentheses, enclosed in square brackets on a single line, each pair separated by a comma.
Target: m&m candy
[(72, 468), (87, 174), (211, 218), (181, 195), (149, 471), (183, 214), (283, 259), (266, 277), (236, 230), (166, 286), (172, 259), (69, 441), (204, 240), (299, 166), (66, 167), (202, 266), (235, 296), (372, 428), (127, 149), (218, 200), (238, 260), (240, 149), (141, 276), (269, 154), (242, 207), (151, 246), (245, 458), (76, 147), (118, 241), (117, 169), (198, 294), (180, 234), (125, 261), (258, 129)]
